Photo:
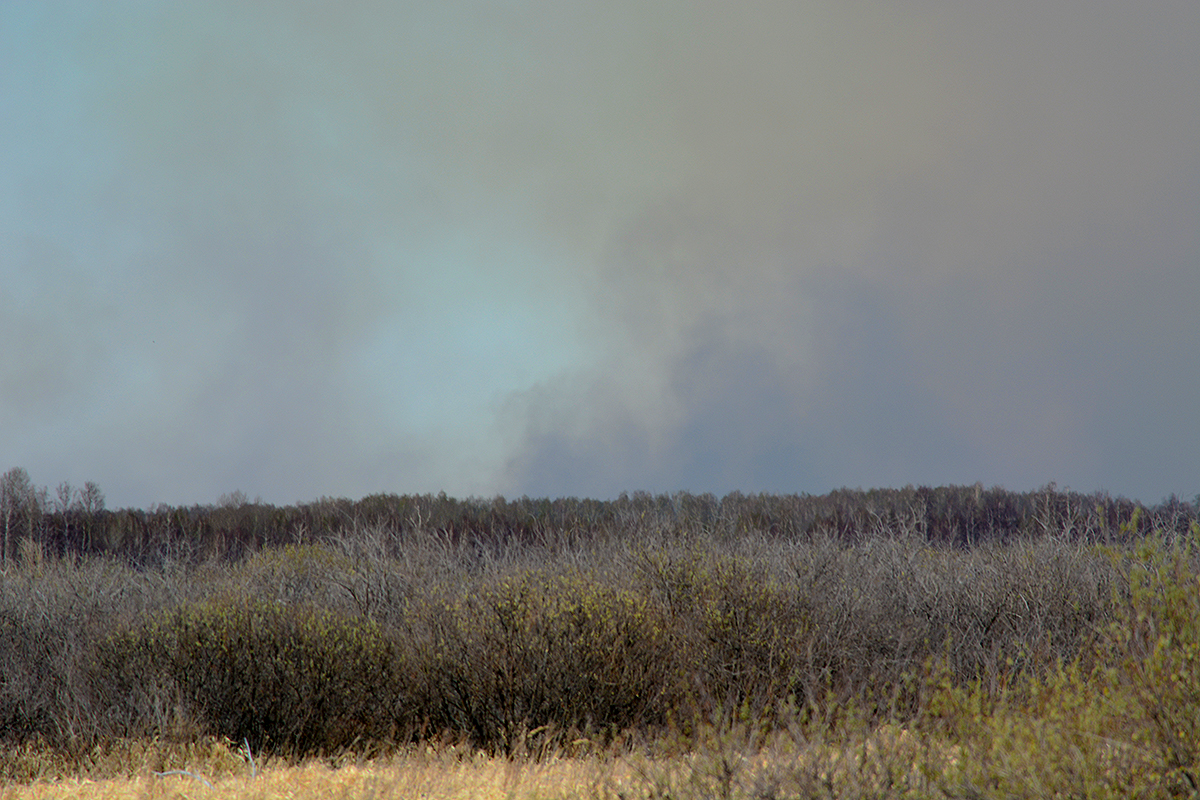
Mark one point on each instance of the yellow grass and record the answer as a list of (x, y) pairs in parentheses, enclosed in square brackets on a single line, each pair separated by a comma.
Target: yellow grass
[(413, 777), (451, 774)]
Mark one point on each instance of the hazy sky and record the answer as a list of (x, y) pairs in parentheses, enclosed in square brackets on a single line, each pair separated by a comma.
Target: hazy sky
[(574, 248)]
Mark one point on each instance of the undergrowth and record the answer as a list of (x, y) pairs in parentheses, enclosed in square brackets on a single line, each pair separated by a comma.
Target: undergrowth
[(751, 666)]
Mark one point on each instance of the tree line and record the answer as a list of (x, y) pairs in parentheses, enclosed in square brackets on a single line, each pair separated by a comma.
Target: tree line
[(75, 521)]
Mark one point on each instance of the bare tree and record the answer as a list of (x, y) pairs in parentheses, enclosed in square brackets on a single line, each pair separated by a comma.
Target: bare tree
[(234, 499), (68, 502), (18, 502), (66, 497), (91, 498)]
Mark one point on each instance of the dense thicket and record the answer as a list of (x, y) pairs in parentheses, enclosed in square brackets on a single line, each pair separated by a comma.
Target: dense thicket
[(377, 635)]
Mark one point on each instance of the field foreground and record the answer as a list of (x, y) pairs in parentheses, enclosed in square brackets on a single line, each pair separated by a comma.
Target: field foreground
[(405, 778), (885, 762)]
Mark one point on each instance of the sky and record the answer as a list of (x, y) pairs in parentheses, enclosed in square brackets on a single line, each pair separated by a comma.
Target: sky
[(489, 247)]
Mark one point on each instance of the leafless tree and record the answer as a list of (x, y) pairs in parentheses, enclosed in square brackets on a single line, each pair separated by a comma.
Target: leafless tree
[(18, 504), (91, 498), (68, 502)]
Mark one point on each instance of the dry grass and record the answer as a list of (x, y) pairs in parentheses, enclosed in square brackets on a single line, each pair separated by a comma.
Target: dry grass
[(780, 767), (435, 777)]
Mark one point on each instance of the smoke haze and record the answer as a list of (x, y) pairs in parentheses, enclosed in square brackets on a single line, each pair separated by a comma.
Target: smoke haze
[(579, 248)]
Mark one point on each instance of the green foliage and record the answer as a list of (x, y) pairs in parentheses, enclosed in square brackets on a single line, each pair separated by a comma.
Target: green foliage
[(292, 679), (538, 649), (294, 573), (1120, 720), (1153, 649), (741, 634)]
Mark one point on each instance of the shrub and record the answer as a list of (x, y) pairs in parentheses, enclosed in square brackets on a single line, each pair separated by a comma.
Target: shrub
[(538, 649), (290, 679), (1122, 719), (740, 634), (1153, 649), (51, 614)]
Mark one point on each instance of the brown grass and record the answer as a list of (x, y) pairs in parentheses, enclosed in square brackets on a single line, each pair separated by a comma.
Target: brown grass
[(408, 778), (780, 767), (438, 776)]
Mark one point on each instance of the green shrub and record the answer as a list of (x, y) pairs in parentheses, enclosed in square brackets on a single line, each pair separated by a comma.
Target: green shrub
[(1120, 720), (1153, 649), (537, 650), (741, 635), (291, 679)]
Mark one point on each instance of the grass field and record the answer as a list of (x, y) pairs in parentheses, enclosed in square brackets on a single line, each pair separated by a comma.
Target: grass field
[(883, 762), (481, 778)]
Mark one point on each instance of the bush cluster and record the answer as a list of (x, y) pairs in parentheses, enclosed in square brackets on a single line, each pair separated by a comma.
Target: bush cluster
[(1117, 720), (290, 678), (376, 637), (1120, 720), (539, 649)]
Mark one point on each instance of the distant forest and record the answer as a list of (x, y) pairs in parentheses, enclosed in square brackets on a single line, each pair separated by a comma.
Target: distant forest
[(75, 521)]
